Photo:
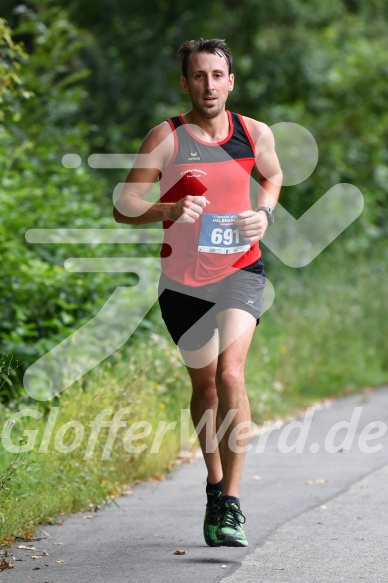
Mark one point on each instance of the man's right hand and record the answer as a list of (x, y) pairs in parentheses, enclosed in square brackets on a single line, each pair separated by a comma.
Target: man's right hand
[(188, 209)]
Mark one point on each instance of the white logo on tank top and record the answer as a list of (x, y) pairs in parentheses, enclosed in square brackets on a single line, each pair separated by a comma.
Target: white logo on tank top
[(194, 156)]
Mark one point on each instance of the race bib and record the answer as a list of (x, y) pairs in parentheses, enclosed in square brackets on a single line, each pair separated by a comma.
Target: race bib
[(219, 234)]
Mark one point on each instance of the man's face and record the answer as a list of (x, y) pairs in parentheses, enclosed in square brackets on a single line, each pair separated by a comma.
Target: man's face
[(208, 83)]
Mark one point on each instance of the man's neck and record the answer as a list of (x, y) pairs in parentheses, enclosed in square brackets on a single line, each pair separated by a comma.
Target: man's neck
[(213, 129)]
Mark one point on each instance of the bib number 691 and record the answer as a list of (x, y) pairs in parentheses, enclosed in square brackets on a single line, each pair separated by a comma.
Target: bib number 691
[(225, 236)]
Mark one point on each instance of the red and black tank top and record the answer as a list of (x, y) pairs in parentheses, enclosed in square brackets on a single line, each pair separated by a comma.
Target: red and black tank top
[(211, 248)]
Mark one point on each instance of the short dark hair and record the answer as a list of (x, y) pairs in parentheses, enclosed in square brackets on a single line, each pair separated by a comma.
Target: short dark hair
[(215, 46)]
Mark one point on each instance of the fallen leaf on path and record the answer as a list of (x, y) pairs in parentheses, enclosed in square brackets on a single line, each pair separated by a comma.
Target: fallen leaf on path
[(179, 552), (36, 557), (52, 520), (154, 479), (321, 481), (57, 543), (88, 516), (45, 553), (6, 565), (30, 548), (8, 540), (60, 561), (186, 457)]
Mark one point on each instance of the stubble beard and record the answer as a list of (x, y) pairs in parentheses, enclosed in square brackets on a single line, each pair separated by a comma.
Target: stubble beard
[(211, 112)]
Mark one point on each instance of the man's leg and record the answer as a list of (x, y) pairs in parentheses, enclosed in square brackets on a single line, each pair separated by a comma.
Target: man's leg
[(204, 400), (219, 387), (236, 329), (204, 404)]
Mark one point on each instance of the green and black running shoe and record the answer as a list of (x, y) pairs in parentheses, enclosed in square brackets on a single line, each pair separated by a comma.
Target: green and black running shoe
[(230, 532), (212, 517)]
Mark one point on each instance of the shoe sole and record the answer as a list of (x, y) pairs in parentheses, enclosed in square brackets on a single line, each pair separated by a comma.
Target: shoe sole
[(231, 542), (212, 543)]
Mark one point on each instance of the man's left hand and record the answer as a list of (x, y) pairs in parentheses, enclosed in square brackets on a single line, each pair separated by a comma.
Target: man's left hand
[(252, 225)]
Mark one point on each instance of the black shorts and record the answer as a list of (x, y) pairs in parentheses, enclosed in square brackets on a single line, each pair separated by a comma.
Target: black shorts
[(182, 306)]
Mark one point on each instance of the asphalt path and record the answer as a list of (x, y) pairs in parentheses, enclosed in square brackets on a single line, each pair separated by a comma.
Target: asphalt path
[(315, 496)]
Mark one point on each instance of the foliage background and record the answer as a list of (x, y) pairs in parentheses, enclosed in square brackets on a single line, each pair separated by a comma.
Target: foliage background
[(322, 65), (88, 76)]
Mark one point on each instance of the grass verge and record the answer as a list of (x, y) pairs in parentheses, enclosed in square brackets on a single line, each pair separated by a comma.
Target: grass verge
[(324, 336), (95, 439)]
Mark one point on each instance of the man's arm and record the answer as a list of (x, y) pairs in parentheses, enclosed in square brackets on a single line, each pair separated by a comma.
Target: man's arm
[(154, 154), (251, 224), (268, 167)]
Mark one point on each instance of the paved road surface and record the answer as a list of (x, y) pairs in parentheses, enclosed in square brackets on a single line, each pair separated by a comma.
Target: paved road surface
[(312, 517)]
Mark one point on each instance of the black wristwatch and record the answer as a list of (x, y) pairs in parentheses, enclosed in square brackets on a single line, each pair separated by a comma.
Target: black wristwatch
[(268, 211)]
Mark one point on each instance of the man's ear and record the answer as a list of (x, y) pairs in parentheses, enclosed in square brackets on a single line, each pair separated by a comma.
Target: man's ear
[(184, 85), (231, 82)]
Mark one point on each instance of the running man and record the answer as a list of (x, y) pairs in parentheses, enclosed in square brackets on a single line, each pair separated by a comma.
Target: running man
[(212, 281)]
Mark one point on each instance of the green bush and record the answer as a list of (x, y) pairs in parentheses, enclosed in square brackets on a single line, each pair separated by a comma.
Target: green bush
[(42, 302)]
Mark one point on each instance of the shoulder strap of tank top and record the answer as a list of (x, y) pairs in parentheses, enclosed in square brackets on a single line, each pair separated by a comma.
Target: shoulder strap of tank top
[(175, 121)]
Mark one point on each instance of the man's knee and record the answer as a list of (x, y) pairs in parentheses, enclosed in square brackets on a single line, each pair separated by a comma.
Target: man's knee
[(205, 392), (230, 378)]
